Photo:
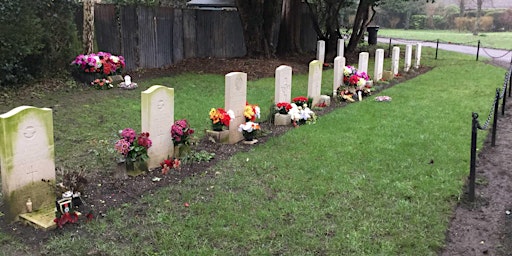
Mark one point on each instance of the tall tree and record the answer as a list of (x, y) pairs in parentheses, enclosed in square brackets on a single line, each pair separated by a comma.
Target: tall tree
[(289, 32), (260, 19), (364, 15)]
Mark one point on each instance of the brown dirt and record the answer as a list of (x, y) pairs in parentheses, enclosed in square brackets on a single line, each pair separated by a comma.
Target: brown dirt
[(471, 224)]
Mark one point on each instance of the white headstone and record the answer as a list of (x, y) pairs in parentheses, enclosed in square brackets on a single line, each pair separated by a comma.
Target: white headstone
[(339, 64), (395, 60), (157, 117), (283, 84), (379, 65), (27, 159), (320, 51), (235, 98), (408, 57), (363, 62), (341, 48), (315, 81), (418, 55)]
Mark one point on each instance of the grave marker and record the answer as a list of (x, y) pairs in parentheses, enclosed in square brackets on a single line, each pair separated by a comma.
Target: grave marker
[(418, 55), (395, 60), (283, 84), (363, 62), (379, 65), (315, 81), (408, 57), (27, 159), (339, 64), (341, 48), (235, 98), (320, 51), (157, 116)]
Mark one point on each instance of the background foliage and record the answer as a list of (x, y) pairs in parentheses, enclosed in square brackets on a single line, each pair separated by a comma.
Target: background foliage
[(36, 38)]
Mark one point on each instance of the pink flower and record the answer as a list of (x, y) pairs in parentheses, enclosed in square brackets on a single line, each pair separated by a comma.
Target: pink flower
[(122, 146), (129, 134)]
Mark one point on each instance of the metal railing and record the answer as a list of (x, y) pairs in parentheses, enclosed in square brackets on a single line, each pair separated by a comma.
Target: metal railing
[(501, 93)]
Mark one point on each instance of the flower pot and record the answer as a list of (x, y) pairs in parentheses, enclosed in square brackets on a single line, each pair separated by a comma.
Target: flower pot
[(283, 111), (136, 168), (217, 127), (86, 77), (249, 136)]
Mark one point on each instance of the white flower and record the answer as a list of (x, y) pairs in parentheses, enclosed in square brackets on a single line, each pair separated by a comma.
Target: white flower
[(257, 110), (114, 59), (248, 127), (231, 114)]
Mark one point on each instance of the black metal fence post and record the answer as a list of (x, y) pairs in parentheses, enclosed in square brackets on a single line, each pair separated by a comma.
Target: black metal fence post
[(510, 82), (389, 48), (504, 101), (495, 118), (477, 50), (437, 47), (472, 164)]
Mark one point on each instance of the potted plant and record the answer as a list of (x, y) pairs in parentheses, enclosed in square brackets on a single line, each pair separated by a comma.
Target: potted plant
[(134, 150), (248, 130), (181, 133), (220, 118), (300, 101), (283, 107)]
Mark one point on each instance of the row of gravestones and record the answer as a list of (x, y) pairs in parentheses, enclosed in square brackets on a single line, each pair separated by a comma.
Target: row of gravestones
[(26, 133)]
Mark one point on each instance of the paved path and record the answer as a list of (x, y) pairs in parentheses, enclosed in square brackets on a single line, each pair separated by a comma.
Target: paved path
[(497, 55)]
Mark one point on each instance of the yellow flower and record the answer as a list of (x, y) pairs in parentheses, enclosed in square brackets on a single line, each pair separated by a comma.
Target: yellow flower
[(248, 111)]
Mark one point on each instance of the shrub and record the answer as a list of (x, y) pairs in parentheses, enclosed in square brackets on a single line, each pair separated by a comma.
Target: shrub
[(38, 37), (418, 21)]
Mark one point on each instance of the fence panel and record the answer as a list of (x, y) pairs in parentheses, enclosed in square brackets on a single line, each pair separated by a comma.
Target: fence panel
[(107, 37), (129, 35)]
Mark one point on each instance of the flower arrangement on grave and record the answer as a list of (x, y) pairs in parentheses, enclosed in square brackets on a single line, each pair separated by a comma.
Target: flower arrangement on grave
[(180, 132), (302, 115), (101, 84), (101, 62), (283, 107), (251, 112), (220, 118), (355, 83), (133, 147), (170, 163), (382, 98), (300, 100), (249, 129)]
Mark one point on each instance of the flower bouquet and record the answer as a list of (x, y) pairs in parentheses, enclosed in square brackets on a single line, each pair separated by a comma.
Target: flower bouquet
[(170, 163), (283, 107), (302, 115), (180, 132), (220, 118), (251, 112), (248, 130), (101, 62), (300, 101), (355, 82), (134, 149), (102, 84)]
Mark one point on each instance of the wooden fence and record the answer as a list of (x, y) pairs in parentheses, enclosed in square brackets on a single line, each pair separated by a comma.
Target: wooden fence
[(157, 37)]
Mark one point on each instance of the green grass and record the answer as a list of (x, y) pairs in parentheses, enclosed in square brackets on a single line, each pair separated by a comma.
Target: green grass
[(499, 40), (358, 182)]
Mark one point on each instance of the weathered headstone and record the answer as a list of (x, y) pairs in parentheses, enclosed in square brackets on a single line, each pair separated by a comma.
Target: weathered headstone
[(418, 56), (27, 159), (408, 57), (283, 84), (320, 51), (341, 48), (339, 64), (363, 62), (395, 60), (235, 98), (379, 65), (315, 81), (157, 117)]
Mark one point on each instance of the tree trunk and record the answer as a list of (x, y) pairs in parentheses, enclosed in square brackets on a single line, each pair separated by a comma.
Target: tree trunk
[(478, 14), (259, 21), (289, 33), (88, 30), (357, 28)]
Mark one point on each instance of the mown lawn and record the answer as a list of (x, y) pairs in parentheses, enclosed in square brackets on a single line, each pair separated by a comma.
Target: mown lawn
[(358, 182)]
